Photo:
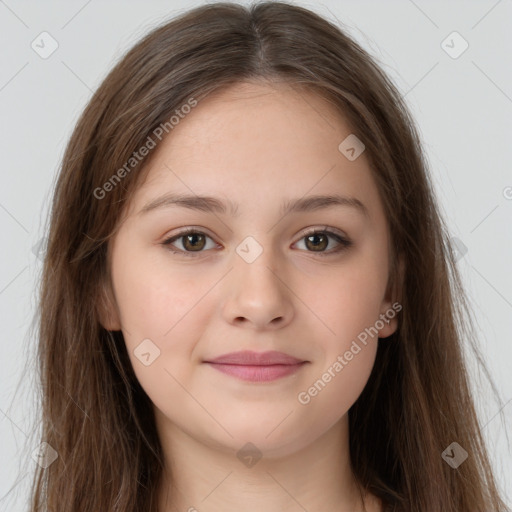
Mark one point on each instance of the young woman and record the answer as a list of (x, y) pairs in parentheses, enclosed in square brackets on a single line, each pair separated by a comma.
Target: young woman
[(249, 298)]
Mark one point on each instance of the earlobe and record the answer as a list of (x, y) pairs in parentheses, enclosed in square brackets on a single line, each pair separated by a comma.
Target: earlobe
[(108, 314), (392, 304), (388, 319)]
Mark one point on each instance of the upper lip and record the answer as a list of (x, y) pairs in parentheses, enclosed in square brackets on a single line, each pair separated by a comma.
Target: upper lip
[(249, 358)]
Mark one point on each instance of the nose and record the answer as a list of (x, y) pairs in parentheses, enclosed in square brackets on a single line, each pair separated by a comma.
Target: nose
[(258, 294)]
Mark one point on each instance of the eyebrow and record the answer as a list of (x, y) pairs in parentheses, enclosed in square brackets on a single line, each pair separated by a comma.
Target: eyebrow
[(210, 204)]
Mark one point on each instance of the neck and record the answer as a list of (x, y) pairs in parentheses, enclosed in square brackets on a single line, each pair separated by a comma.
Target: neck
[(201, 477)]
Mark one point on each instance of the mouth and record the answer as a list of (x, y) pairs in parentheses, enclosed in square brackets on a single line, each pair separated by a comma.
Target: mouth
[(257, 367)]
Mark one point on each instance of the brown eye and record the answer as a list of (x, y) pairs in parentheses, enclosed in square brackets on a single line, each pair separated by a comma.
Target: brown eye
[(192, 241), (317, 241)]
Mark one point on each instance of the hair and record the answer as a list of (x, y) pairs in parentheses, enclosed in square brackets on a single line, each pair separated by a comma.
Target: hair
[(94, 412)]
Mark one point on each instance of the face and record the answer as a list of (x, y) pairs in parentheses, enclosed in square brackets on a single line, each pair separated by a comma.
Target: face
[(252, 275)]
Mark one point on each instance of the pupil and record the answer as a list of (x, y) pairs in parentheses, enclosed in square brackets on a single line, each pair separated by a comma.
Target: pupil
[(311, 237), (192, 237)]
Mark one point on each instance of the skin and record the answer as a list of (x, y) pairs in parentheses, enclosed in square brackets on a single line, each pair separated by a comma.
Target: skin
[(257, 145)]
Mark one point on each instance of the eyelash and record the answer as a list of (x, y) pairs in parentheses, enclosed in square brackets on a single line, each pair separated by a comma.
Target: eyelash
[(344, 243)]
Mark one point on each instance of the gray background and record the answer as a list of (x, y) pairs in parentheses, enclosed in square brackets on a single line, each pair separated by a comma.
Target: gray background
[(462, 105)]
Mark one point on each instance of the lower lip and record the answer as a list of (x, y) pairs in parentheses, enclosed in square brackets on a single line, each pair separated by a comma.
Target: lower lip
[(257, 373)]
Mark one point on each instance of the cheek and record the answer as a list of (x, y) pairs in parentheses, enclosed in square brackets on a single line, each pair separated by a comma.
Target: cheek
[(348, 304), (171, 307), (345, 301), (346, 346), (153, 297), (332, 392)]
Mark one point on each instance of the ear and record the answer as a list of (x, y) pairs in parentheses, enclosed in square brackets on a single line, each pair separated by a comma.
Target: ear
[(392, 303), (108, 313)]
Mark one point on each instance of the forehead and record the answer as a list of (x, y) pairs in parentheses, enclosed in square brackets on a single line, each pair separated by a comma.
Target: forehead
[(255, 144), (260, 115)]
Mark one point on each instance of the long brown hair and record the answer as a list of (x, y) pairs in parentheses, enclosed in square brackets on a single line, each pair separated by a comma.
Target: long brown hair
[(96, 416)]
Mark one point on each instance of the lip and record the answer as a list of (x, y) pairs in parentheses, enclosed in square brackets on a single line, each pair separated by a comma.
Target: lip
[(250, 358), (257, 366)]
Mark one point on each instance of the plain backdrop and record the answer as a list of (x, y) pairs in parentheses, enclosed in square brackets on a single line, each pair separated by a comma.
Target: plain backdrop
[(461, 99)]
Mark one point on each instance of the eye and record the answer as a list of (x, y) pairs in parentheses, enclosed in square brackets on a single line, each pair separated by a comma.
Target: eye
[(318, 240), (194, 241)]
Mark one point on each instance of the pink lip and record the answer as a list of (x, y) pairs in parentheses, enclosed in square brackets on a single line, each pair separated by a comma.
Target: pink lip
[(257, 366)]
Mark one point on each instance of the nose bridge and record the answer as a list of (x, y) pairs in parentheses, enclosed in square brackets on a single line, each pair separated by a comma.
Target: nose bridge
[(255, 262), (256, 291)]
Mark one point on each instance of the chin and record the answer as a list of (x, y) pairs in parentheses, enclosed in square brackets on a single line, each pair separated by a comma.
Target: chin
[(269, 442)]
